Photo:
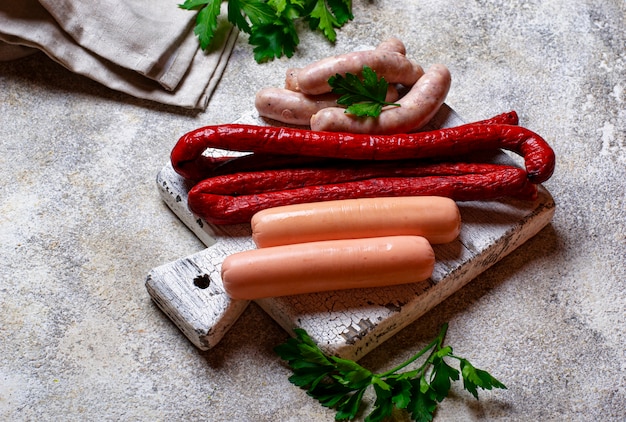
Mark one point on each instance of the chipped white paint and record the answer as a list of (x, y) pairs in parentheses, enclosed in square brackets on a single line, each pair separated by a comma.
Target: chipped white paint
[(347, 323)]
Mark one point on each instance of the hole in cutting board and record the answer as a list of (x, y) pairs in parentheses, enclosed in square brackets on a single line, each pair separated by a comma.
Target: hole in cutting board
[(202, 281)]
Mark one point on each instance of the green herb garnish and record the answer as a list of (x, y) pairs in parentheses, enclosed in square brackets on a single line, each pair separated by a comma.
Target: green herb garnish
[(270, 24), (341, 383), (364, 97)]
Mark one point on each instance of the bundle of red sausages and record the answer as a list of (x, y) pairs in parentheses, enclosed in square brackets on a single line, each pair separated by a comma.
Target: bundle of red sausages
[(290, 166), (343, 157)]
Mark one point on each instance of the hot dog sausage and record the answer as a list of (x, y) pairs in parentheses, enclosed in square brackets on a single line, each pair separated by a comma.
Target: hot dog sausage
[(434, 217), (327, 265)]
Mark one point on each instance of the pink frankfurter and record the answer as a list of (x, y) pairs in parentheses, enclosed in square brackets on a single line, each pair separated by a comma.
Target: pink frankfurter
[(327, 265)]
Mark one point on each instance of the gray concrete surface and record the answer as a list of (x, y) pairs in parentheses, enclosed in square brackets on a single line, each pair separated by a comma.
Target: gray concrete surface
[(81, 224)]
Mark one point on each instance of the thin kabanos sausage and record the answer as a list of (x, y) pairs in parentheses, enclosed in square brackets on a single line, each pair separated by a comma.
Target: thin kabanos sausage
[(327, 265), (206, 166), (296, 108), (234, 199), (508, 118), (434, 217), (188, 159), (415, 110)]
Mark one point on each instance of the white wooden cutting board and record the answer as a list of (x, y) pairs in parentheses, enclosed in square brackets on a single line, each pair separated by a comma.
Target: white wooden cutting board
[(347, 323)]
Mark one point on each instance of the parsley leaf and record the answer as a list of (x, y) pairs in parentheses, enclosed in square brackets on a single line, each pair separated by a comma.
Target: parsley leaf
[(473, 377), (259, 13), (274, 40), (321, 17), (270, 24), (342, 9), (206, 19), (364, 97), (422, 407), (341, 383)]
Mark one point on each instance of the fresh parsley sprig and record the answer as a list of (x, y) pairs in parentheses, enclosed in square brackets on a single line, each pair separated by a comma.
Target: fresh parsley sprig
[(341, 383), (364, 97), (270, 24)]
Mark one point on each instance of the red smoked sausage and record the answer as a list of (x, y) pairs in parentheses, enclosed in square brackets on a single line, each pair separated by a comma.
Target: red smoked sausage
[(233, 199), (188, 159)]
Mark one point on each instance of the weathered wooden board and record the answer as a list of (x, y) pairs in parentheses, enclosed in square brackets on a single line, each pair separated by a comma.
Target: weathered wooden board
[(347, 323)]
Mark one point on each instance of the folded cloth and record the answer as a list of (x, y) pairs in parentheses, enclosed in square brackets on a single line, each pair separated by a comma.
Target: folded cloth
[(146, 49), (14, 51)]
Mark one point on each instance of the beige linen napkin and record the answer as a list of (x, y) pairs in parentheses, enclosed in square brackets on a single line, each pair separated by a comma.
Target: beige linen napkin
[(14, 51), (146, 49)]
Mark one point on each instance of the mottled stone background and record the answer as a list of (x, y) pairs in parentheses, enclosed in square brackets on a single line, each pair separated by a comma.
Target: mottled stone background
[(81, 224)]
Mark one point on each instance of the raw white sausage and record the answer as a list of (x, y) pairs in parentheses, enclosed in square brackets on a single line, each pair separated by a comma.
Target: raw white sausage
[(388, 61), (416, 109), (296, 108)]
